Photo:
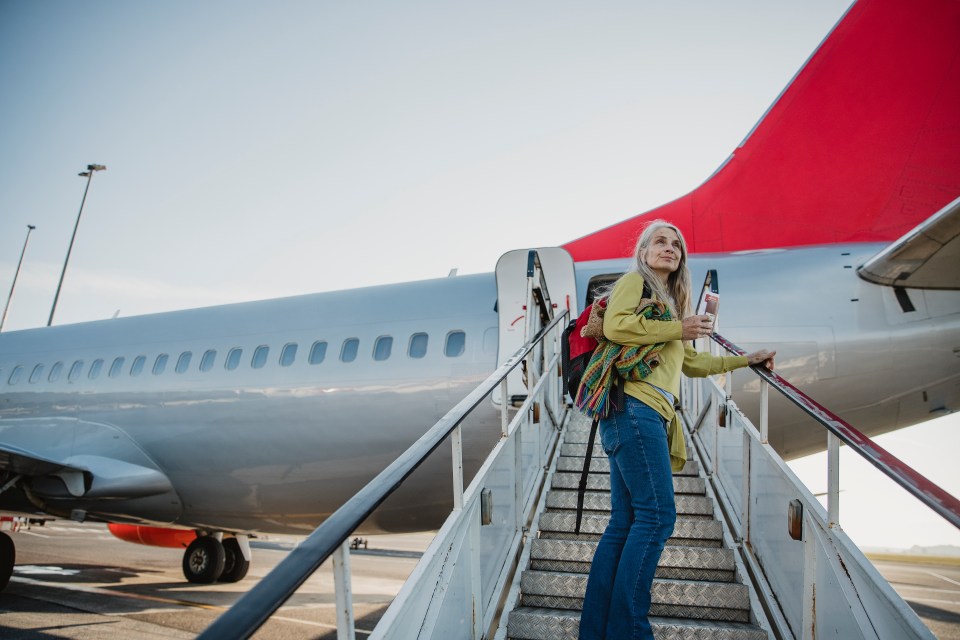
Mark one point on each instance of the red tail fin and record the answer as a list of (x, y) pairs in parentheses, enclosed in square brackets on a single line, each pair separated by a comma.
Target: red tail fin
[(862, 145)]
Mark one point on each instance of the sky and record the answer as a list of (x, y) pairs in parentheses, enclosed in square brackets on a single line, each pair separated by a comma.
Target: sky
[(258, 150)]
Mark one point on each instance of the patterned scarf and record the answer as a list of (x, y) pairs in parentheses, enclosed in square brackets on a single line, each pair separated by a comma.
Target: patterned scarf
[(611, 359)]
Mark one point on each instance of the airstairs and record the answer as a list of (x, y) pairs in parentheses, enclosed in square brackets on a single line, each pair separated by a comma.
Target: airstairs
[(698, 591), (754, 555)]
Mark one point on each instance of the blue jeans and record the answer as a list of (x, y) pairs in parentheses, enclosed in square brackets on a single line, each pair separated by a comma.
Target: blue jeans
[(642, 516)]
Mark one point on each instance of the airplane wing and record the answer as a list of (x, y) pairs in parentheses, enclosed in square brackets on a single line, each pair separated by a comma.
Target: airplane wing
[(926, 257), (35, 450), (20, 462)]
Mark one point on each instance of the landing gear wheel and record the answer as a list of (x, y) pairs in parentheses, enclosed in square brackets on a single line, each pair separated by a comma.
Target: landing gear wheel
[(203, 560), (236, 566), (8, 555)]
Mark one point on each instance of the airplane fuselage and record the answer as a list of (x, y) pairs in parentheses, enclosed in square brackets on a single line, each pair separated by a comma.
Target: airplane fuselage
[(275, 437)]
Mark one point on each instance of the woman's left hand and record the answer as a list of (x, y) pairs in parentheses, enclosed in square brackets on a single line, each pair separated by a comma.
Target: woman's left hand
[(764, 356)]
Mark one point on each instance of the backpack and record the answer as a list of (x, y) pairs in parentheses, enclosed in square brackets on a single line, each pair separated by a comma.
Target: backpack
[(576, 351)]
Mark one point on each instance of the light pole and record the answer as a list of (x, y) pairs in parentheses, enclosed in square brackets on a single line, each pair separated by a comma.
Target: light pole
[(6, 307), (88, 174)]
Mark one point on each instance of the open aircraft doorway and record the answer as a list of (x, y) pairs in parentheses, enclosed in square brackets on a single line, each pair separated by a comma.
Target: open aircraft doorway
[(513, 270)]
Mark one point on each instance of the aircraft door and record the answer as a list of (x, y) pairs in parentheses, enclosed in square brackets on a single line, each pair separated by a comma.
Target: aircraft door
[(511, 274)]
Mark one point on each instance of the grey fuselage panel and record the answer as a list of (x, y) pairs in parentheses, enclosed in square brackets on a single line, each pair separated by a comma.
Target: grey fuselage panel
[(278, 446)]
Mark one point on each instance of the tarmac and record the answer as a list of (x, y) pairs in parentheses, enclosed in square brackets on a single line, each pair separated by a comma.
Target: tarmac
[(77, 581)]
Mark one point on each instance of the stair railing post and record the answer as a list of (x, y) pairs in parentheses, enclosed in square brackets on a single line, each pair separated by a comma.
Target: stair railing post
[(476, 584), (717, 407), (504, 416), (745, 506), (343, 592), (456, 441), (518, 479), (833, 480), (808, 616), (764, 411), (548, 351)]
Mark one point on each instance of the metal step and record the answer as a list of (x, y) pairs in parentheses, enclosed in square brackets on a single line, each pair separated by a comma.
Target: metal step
[(601, 482), (695, 531), (679, 563), (601, 464), (527, 623), (576, 451), (600, 501), (700, 600), (581, 434)]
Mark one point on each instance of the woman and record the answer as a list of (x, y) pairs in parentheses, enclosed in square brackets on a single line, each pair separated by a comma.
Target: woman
[(634, 436)]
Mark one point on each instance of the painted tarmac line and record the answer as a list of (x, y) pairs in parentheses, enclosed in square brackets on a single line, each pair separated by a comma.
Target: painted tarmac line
[(309, 623), (170, 601), (932, 601), (937, 575), (325, 625), (918, 587), (120, 594)]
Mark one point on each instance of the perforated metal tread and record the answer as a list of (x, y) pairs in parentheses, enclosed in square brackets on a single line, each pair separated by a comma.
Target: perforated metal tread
[(688, 531), (601, 464), (689, 563), (579, 433), (577, 450), (601, 482), (528, 623), (699, 599), (600, 501)]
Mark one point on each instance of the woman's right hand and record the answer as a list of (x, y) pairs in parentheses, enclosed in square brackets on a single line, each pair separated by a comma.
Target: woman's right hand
[(696, 327)]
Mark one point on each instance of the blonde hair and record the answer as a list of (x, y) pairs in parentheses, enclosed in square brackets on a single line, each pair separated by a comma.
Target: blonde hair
[(676, 292)]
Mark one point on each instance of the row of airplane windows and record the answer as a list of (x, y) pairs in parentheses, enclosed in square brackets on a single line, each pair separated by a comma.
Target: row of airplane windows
[(453, 347)]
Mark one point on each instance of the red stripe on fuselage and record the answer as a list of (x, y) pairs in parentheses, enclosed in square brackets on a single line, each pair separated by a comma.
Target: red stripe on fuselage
[(862, 146)]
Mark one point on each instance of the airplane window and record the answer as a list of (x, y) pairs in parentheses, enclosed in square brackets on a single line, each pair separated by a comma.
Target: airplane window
[(382, 348), (183, 362), (418, 345), (260, 356), (137, 367), (456, 341), (160, 364), (116, 367), (55, 372), (289, 354), (233, 359), (95, 369), (15, 375), (36, 374), (348, 352), (206, 362), (75, 371), (318, 352)]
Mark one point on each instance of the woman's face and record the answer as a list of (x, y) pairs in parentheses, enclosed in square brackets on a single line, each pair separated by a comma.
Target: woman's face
[(664, 252)]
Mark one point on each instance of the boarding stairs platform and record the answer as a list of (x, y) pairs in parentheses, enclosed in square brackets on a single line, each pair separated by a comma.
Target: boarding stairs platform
[(698, 591)]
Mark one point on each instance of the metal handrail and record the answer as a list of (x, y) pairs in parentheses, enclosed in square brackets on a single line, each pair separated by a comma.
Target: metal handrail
[(535, 268), (258, 604), (906, 476)]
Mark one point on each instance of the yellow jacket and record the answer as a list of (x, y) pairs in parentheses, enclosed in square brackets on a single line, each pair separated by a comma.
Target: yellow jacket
[(622, 325)]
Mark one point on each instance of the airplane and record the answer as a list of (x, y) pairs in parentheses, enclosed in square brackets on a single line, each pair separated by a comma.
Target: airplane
[(833, 227)]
